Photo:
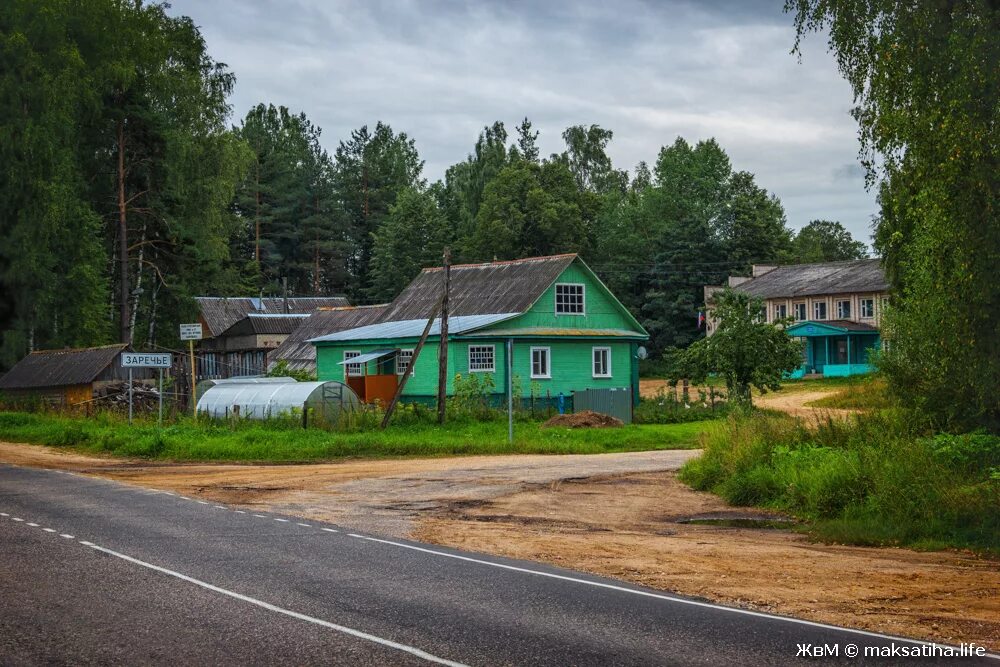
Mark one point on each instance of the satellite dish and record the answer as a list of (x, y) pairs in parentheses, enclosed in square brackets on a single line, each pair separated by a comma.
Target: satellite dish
[(642, 353)]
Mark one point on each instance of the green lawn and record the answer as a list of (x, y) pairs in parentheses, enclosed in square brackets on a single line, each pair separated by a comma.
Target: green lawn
[(283, 442)]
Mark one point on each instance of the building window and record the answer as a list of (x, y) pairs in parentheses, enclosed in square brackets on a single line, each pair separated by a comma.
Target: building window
[(540, 368), (843, 310), (352, 370), (403, 359), (570, 299), (780, 311), (819, 310), (800, 311), (482, 358), (602, 362), (867, 308)]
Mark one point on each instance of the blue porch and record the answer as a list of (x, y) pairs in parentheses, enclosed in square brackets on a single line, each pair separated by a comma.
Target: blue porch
[(835, 348)]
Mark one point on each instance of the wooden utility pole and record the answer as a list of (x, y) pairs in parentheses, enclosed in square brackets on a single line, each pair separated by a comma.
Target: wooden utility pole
[(409, 369), (443, 344)]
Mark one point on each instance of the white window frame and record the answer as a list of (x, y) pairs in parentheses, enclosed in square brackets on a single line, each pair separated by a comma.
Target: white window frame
[(805, 311), (871, 309), (360, 371), (583, 298), (408, 362), (593, 362), (548, 363), (493, 353), (816, 305), (778, 314), (840, 312)]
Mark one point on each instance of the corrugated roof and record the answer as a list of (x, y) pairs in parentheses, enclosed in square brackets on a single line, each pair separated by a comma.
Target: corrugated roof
[(220, 313), (413, 328), (862, 275), (480, 289), (300, 354), (59, 368), (544, 332), (843, 325), (260, 323)]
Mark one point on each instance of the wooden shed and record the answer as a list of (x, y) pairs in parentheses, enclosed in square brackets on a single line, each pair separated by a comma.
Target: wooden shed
[(67, 376)]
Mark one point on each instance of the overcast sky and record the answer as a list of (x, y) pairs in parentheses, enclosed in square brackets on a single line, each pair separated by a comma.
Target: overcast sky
[(649, 71)]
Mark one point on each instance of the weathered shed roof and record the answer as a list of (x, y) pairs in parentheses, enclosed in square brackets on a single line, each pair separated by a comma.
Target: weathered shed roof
[(480, 289), (300, 354), (414, 328), (269, 323), (793, 280), (59, 368), (847, 326), (219, 312)]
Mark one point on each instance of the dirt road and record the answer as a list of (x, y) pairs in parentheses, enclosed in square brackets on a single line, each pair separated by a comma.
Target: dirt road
[(796, 404), (615, 514)]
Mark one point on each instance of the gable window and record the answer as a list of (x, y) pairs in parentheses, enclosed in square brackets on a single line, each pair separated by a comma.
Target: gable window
[(352, 370), (843, 310), (819, 310), (800, 311), (867, 308), (403, 359), (482, 358), (540, 366), (602, 362), (780, 311), (570, 299)]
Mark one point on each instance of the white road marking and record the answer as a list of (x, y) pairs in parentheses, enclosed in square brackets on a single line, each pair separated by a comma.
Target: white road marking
[(33, 525), (66, 535), (632, 591), (49, 530), (239, 511), (304, 525), (184, 498), (260, 516), (287, 612), (202, 502), (218, 507), (281, 520), (167, 493), (16, 519), (4, 514), (330, 530)]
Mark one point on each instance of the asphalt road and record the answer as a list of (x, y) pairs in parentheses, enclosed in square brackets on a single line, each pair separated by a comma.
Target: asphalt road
[(94, 571)]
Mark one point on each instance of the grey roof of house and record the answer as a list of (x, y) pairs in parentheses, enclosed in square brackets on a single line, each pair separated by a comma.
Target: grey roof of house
[(794, 280), (479, 289), (300, 354), (415, 327), (270, 323), (220, 312), (846, 325), (59, 368)]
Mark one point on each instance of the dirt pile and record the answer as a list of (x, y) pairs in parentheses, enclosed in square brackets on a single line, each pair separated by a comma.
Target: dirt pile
[(585, 419)]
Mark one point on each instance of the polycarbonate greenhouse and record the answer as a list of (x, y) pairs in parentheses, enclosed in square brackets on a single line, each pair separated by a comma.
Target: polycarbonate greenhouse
[(324, 401)]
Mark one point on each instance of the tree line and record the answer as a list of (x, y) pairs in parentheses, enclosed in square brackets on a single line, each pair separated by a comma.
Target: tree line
[(128, 191)]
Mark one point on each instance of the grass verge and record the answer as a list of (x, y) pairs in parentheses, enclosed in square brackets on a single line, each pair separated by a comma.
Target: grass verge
[(869, 394), (874, 480), (248, 441)]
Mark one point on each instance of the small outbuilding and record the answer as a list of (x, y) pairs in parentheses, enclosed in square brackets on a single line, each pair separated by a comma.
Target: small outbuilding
[(68, 376), (324, 401)]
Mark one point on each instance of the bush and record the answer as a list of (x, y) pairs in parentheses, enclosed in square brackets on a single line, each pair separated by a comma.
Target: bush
[(664, 408), (874, 480)]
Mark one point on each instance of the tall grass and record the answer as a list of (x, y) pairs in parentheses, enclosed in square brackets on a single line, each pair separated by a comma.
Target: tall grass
[(286, 441), (877, 479)]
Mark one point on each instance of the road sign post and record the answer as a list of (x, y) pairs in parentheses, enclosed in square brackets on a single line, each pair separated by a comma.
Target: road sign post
[(191, 333), (132, 360)]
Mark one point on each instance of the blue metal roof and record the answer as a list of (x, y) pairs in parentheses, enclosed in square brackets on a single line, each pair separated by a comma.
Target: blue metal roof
[(413, 328)]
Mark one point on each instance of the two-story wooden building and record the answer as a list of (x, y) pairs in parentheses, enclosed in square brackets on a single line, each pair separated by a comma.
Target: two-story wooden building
[(566, 330), (836, 308)]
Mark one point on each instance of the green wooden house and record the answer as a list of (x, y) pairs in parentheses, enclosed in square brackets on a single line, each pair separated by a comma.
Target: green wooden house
[(567, 331)]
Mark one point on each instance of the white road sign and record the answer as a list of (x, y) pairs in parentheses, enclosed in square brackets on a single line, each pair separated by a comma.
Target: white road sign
[(146, 360), (191, 331)]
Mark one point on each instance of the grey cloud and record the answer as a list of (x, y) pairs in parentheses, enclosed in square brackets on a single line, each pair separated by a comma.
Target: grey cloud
[(650, 71)]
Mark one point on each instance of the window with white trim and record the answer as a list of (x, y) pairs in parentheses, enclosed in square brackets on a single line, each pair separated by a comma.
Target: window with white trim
[(571, 299), (602, 362), (819, 310), (800, 311), (353, 370), (403, 359), (780, 311), (867, 309), (482, 358), (843, 310), (540, 363)]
